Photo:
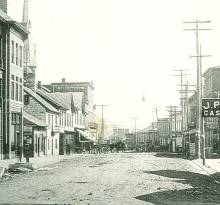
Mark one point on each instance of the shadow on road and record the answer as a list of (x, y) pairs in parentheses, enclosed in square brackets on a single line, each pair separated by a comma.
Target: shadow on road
[(168, 155), (204, 189)]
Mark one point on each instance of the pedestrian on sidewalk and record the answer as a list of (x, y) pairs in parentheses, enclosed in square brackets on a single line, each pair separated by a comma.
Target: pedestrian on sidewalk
[(26, 151)]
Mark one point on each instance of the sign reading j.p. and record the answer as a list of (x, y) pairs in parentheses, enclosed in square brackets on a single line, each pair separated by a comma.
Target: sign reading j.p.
[(210, 107)]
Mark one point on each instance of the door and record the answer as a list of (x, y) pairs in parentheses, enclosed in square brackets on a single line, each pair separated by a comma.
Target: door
[(61, 144)]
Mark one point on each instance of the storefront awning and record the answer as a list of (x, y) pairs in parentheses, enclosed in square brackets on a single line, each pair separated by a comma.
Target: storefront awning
[(86, 136)]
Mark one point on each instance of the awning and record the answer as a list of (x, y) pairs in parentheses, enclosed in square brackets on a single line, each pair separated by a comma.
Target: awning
[(31, 120), (86, 136)]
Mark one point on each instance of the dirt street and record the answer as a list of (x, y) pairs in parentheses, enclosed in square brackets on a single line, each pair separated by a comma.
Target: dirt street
[(117, 178)]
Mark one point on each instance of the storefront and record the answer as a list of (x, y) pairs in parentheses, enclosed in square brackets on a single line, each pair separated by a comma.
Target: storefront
[(35, 135), (85, 141)]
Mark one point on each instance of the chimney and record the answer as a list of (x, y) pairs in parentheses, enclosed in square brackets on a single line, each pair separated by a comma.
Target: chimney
[(39, 85), (63, 80), (3, 5)]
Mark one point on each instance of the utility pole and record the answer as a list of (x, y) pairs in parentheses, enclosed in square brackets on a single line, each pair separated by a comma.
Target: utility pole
[(172, 112), (102, 127), (135, 131), (199, 76), (156, 109), (181, 75), (202, 131), (186, 91)]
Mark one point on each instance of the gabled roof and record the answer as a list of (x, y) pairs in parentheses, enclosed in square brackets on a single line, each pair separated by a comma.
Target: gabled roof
[(32, 120), (53, 99), (43, 102), (65, 98)]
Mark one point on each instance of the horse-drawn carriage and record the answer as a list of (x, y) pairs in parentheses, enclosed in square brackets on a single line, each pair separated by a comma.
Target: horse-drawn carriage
[(112, 147)]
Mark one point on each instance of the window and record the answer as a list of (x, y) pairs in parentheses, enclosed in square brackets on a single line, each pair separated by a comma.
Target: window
[(16, 54), (16, 92), (12, 90), (21, 56), (21, 93), (48, 144), (12, 51), (55, 120)]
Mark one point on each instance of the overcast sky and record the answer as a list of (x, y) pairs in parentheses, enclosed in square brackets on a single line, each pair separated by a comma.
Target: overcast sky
[(126, 47)]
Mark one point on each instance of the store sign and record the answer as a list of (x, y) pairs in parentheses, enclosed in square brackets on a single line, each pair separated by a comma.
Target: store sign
[(211, 122), (210, 107)]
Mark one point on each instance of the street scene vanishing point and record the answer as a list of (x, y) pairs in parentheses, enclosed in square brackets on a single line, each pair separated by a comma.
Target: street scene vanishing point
[(77, 134)]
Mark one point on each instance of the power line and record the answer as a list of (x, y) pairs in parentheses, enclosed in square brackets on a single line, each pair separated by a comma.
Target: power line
[(199, 56)]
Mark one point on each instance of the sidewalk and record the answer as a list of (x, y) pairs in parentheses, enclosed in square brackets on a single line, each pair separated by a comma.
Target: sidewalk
[(37, 162), (211, 167)]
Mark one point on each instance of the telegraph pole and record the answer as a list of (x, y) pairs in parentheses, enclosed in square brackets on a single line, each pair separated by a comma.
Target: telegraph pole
[(135, 130), (202, 131), (186, 91), (156, 109), (172, 112), (102, 127), (199, 79), (181, 74)]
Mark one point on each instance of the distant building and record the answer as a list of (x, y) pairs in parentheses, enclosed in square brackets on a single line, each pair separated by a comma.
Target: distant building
[(212, 82), (164, 133), (87, 106)]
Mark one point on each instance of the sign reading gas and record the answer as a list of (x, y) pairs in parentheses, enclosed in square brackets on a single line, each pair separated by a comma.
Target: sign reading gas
[(210, 107)]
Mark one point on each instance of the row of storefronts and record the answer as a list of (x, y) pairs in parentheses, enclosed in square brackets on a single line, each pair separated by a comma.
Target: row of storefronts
[(179, 132), (51, 119)]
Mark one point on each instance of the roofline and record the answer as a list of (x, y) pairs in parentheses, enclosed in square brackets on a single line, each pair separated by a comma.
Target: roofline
[(210, 69), (54, 111), (52, 99), (14, 23), (83, 82)]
